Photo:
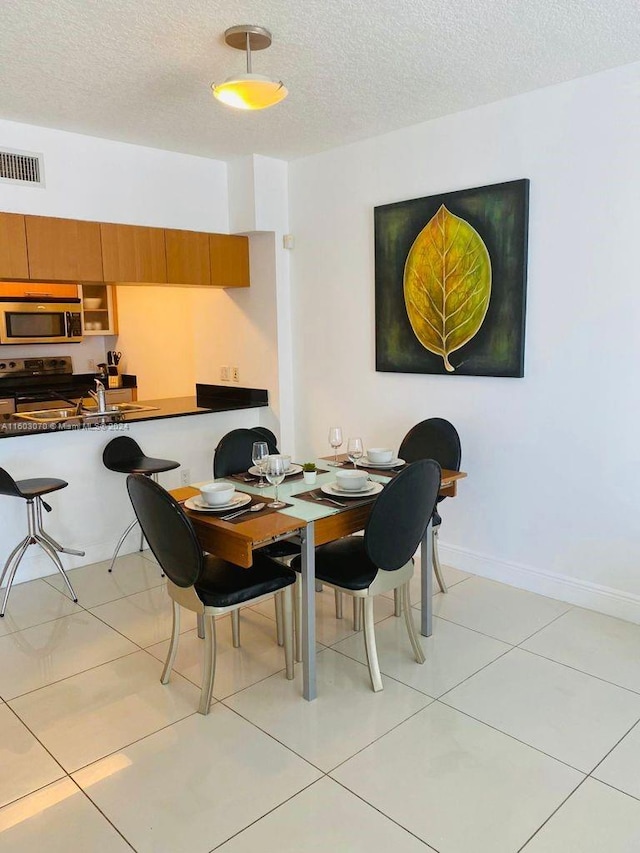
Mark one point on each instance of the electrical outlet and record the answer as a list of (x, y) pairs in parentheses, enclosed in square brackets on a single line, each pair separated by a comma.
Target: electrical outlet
[(235, 374), (224, 374), (91, 365), (185, 477)]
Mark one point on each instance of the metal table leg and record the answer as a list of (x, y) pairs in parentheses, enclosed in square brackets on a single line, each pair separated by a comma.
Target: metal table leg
[(426, 571), (308, 612)]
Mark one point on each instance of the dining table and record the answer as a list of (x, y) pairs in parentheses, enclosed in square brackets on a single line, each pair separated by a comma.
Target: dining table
[(310, 519)]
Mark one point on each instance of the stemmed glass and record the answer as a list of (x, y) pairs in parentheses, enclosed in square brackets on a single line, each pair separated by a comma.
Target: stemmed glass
[(354, 450), (275, 475), (335, 440), (259, 453)]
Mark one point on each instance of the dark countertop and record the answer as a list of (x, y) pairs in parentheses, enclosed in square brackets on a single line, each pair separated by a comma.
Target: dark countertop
[(173, 407)]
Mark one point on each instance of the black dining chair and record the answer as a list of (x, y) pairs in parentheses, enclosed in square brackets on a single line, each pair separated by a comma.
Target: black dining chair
[(233, 456), (207, 585), (434, 438), (382, 559), (31, 491)]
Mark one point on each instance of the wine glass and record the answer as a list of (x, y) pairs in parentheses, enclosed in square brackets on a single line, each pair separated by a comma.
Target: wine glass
[(259, 453), (275, 475), (335, 440), (354, 450)]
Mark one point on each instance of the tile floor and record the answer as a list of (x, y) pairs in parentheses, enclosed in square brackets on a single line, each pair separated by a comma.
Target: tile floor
[(520, 732)]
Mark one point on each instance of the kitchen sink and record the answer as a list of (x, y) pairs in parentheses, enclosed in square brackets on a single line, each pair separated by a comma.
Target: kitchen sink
[(135, 407), (52, 416), (117, 409)]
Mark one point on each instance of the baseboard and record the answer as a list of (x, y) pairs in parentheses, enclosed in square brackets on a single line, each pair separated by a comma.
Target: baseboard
[(604, 599)]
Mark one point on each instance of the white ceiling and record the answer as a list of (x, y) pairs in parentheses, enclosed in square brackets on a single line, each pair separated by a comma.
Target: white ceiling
[(139, 70)]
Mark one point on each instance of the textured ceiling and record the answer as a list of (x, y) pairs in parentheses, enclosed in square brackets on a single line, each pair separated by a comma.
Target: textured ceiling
[(140, 70)]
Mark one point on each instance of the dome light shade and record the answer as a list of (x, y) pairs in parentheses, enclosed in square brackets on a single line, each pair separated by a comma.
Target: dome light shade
[(249, 91)]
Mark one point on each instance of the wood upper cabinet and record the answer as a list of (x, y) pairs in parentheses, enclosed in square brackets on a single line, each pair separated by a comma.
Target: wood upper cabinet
[(13, 246), (63, 249), (133, 253), (187, 257), (229, 256), (22, 289)]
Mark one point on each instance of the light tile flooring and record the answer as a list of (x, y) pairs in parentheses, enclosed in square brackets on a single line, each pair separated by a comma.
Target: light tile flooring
[(520, 732)]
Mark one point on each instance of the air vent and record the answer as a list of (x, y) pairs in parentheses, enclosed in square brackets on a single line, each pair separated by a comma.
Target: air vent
[(21, 167)]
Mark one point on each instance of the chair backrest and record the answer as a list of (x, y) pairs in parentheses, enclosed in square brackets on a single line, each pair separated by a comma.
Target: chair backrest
[(401, 514), (267, 434), (233, 453), (436, 439), (8, 485), (119, 451), (167, 529)]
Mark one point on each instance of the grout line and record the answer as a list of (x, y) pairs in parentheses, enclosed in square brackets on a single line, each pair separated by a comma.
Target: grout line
[(544, 627), (582, 671), (611, 750), (614, 788), (554, 812)]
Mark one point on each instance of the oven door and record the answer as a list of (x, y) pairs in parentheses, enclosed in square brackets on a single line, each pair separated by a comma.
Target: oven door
[(40, 322)]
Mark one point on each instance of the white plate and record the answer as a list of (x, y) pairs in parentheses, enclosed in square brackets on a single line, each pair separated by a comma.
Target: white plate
[(331, 489), (364, 491), (366, 463), (293, 469), (197, 504)]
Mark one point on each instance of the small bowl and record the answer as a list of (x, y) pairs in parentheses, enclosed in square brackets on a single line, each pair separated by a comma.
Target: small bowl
[(351, 481), (92, 303), (379, 455), (216, 494), (287, 459)]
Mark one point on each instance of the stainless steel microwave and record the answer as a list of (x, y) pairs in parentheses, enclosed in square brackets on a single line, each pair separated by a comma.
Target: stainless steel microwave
[(40, 321)]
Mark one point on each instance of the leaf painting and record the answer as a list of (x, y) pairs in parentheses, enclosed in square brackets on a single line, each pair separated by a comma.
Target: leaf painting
[(447, 284)]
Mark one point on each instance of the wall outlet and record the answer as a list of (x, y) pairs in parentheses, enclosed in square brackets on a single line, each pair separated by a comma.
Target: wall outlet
[(235, 374), (185, 477), (224, 374), (91, 365)]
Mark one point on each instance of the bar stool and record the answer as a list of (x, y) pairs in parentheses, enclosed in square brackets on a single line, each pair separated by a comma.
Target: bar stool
[(31, 491), (125, 456)]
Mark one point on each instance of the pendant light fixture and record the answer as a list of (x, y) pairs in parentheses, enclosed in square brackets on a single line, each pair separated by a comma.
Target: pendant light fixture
[(249, 91)]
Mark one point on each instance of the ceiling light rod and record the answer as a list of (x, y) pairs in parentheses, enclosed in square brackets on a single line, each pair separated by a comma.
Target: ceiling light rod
[(249, 91)]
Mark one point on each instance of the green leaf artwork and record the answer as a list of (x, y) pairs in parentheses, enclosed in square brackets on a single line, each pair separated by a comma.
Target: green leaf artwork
[(447, 284)]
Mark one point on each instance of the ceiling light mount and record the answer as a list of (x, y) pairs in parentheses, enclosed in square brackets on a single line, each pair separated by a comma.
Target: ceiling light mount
[(249, 91)]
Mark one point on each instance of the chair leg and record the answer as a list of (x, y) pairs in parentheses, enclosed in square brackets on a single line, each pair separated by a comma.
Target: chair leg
[(200, 626), (56, 545), (173, 645), (411, 628), (297, 615), (287, 616), (370, 644), (338, 598), (120, 542), (437, 568), (235, 628), (397, 603), (209, 665), (279, 617), (16, 555), (56, 560), (357, 614)]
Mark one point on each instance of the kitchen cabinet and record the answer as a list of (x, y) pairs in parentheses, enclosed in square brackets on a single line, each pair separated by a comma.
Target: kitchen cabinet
[(187, 257), (133, 253), (99, 309), (229, 257), (27, 289), (13, 246), (63, 249)]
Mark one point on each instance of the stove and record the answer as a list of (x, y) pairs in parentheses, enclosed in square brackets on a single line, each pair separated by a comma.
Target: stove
[(41, 383)]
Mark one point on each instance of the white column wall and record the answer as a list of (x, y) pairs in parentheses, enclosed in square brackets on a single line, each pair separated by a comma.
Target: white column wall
[(551, 499)]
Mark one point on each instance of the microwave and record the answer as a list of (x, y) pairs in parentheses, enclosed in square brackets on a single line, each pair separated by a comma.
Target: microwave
[(40, 321)]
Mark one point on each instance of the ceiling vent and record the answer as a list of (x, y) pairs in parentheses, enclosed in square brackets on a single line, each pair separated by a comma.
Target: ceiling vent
[(21, 167)]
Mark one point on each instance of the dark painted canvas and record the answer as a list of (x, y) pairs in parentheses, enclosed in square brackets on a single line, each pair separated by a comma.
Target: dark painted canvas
[(451, 273)]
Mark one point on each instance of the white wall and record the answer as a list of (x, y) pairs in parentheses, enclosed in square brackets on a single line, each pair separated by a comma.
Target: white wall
[(551, 498)]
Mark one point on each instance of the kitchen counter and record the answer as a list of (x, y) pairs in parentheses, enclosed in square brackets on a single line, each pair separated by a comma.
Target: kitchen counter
[(173, 407)]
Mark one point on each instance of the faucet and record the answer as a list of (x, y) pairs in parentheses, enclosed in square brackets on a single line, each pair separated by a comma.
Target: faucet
[(99, 395)]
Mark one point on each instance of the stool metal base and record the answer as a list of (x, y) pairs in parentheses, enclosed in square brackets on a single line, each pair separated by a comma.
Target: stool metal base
[(35, 536), (154, 477)]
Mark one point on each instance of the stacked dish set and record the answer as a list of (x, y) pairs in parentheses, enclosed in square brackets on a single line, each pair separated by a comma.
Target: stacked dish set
[(380, 457), (217, 497)]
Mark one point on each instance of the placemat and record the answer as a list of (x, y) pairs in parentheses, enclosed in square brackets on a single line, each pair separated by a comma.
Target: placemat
[(255, 499), (316, 496), (246, 477)]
